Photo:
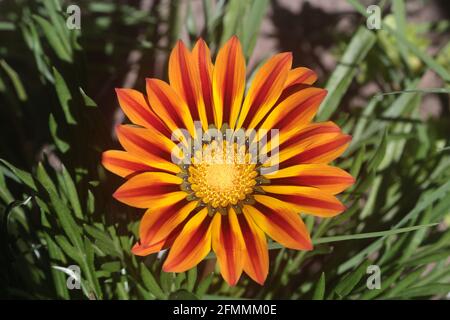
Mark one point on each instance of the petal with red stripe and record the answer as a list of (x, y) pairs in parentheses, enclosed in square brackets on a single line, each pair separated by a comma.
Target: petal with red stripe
[(324, 150), (192, 244), (228, 245), (228, 82), (185, 80), (202, 59), (135, 107), (123, 163), (300, 75), (166, 103), (157, 224), (280, 222), (294, 112), (307, 199), (144, 249), (265, 90), (151, 190), (256, 255), (327, 178), (150, 146)]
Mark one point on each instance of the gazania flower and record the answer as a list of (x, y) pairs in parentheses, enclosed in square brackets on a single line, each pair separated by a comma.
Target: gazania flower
[(228, 202)]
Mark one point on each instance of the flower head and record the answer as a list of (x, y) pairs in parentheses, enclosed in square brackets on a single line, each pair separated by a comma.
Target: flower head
[(219, 171)]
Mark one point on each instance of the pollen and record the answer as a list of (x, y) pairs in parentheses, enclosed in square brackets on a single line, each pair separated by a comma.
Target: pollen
[(222, 174)]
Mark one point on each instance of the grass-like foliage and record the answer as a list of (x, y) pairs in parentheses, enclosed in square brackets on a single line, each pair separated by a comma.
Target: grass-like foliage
[(57, 113)]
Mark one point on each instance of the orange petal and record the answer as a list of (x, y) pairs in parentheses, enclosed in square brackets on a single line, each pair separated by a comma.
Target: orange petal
[(185, 80), (143, 249), (265, 90), (327, 178), (300, 75), (202, 59), (228, 82), (280, 222), (312, 134), (135, 107), (192, 244), (140, 249), (294, 112), (256, 255), (148, 145), (166, 103), (228, 244), (123, 163), (151, 190), (157, 224), (323, 150), (307, 200)]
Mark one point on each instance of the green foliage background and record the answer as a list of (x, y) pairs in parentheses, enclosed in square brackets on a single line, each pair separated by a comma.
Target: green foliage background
[(57, 108)]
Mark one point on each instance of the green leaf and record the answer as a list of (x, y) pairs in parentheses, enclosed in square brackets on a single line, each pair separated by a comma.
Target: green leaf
[(15, 79), (203, 286), (59, 278), (251, 25), (53, 126), (63, 213), (234, 12), (72, 193), (344, 73), (182, 295), (166, 280), (351, 280), (319, 291), (53, 39), (425, 201), (64, 96), (429, 61), (150, 283), (379, 154), (191, 278), (88, 102), (441, 289), (24, 176)]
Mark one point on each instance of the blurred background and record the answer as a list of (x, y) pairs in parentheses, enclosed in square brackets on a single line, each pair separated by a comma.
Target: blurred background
[(388, 87)]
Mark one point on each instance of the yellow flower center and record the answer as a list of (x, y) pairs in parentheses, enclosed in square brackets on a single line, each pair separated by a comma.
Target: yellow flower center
[(222, 174)]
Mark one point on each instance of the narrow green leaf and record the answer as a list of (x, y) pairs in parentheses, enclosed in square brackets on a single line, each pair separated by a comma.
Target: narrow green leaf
[(166, 280), (64, 96), (53, 39), (429, 61), (15, 79), (424, 202), (72, 193), (203, 286), (441, 289), (319, 291), (88, 102), (53, 126), (379, 154), (150, 283), (59, 278), (351, 280), (63, 213), (23, 176), (191, 278), (252, 25), (344, 73)]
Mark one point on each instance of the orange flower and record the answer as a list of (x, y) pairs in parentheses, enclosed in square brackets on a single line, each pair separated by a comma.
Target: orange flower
[(199, 198)]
